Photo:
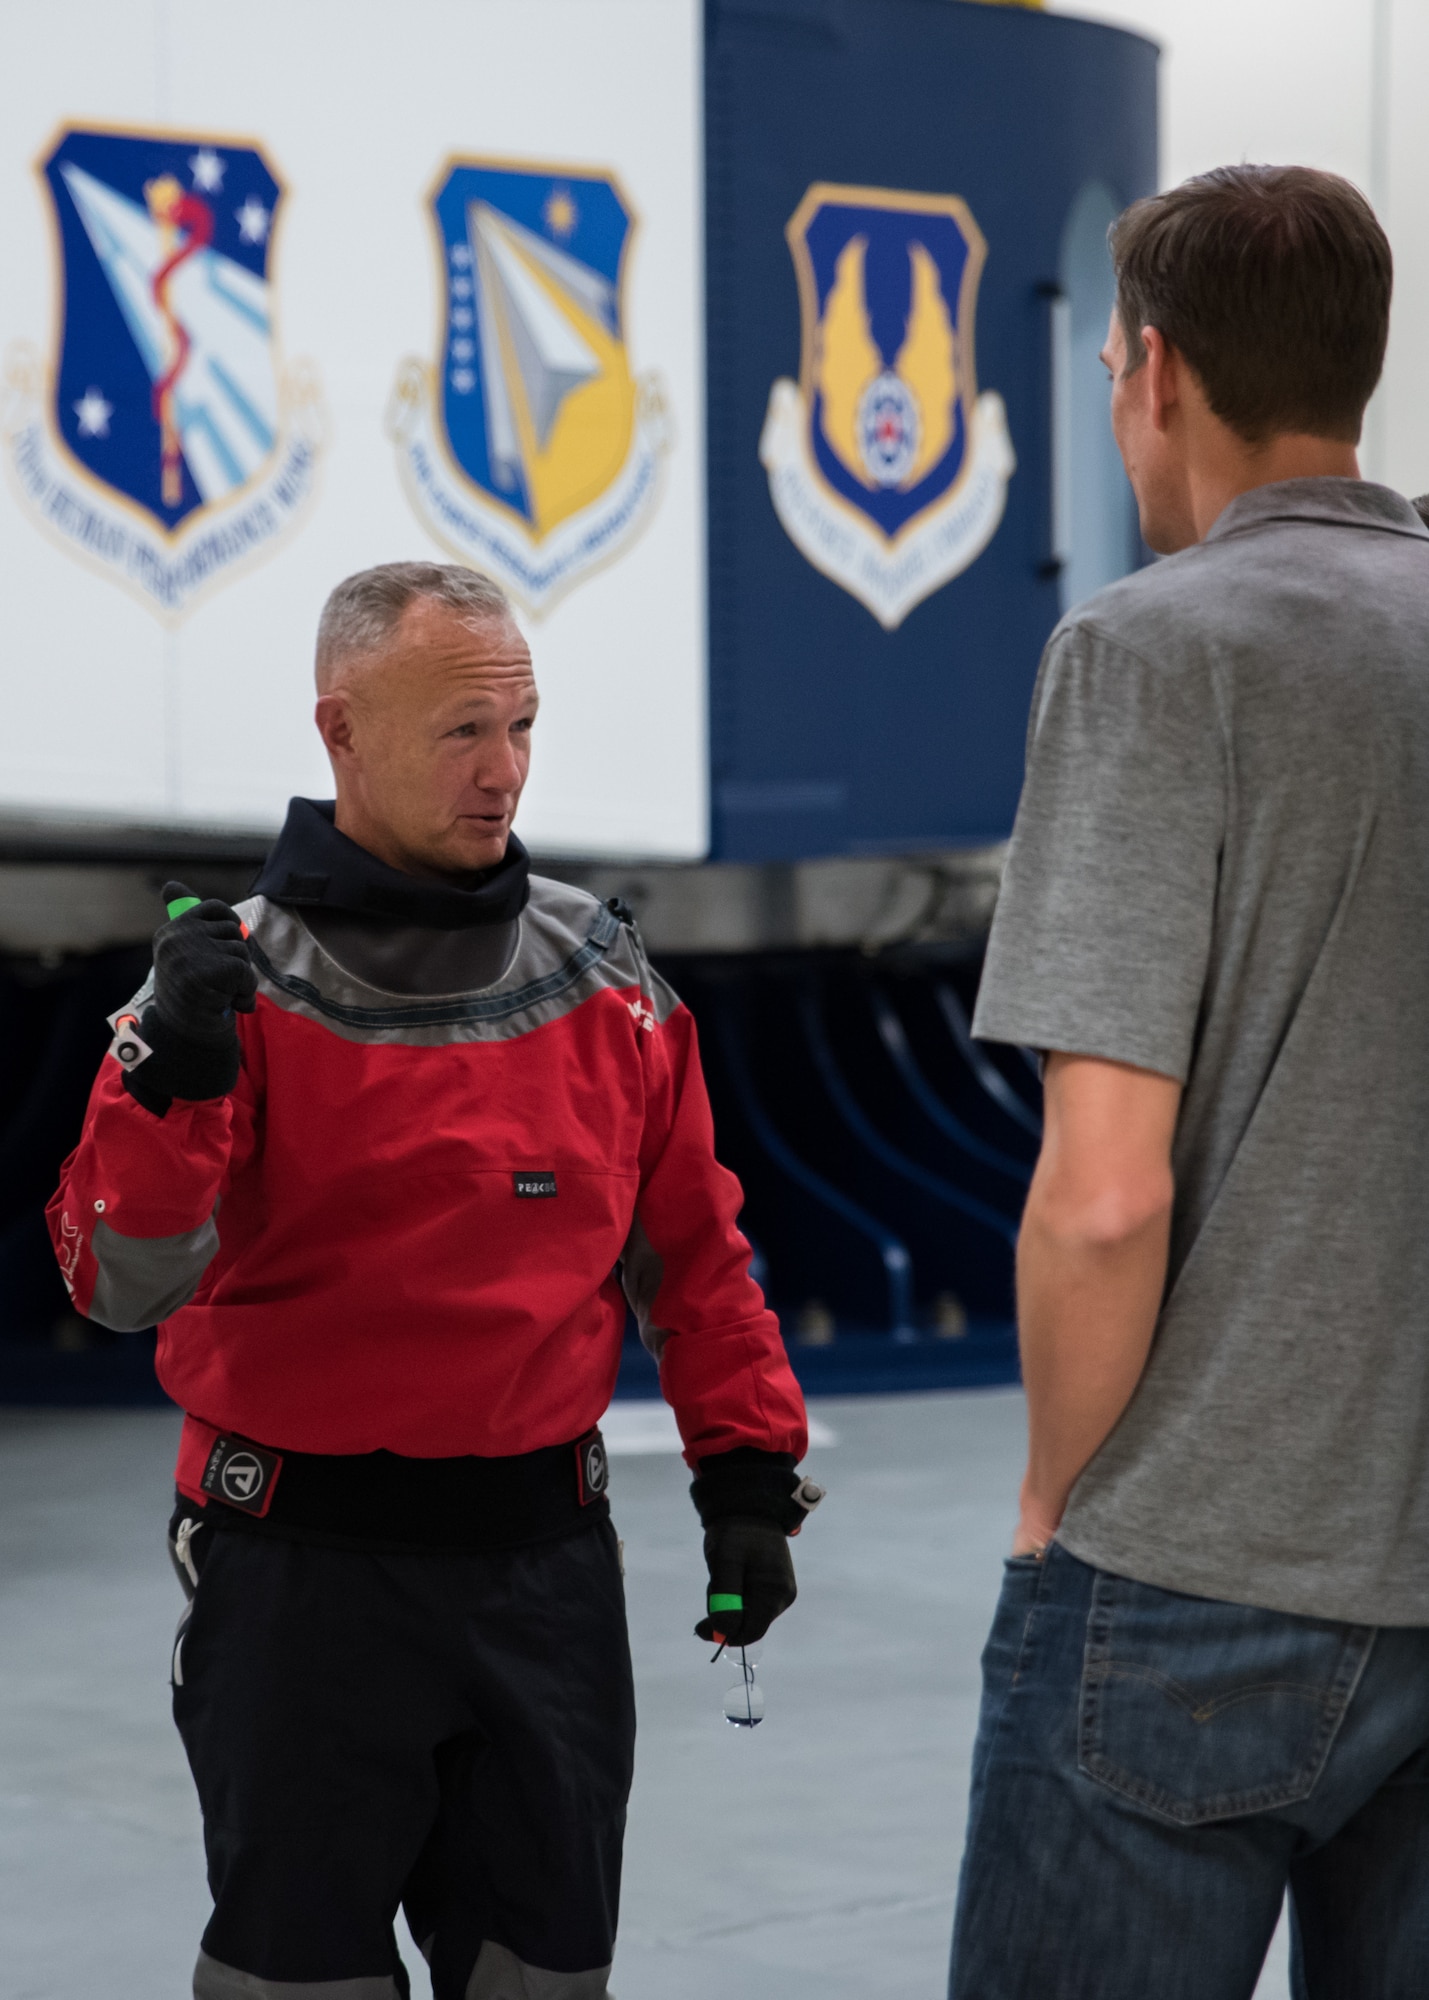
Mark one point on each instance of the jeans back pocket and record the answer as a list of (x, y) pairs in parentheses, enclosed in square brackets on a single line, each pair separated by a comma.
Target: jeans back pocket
[(1197, 1710)]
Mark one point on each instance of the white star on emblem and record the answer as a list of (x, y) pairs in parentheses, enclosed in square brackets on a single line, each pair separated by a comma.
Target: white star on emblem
[(461, 256), (207, 170), (252, 220), (463, 381), (462, 317), (93, 413), (463, 350)]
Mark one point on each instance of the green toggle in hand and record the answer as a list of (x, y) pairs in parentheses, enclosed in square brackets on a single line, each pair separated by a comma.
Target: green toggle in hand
[(751, 1580)]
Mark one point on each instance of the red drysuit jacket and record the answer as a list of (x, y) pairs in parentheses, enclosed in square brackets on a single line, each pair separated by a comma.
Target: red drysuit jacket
[(408, 1226)]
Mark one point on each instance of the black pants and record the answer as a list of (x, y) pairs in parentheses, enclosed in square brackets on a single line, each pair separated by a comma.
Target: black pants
[(450, 1732)]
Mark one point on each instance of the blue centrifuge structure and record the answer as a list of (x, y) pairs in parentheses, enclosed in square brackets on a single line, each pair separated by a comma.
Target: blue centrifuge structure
[(885, 1157), (830, 734)]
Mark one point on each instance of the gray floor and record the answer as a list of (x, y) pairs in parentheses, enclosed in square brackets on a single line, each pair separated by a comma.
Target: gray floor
[(812, 1859)]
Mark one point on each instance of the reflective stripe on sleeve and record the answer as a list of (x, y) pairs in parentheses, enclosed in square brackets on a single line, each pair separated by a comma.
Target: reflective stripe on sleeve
[(142, 1279)]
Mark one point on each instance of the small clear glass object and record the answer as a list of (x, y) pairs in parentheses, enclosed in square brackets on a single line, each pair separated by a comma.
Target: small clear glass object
[(744, 1704)]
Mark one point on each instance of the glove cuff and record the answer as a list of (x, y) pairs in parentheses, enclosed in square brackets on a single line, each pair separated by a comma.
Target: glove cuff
[(180, 1066), (759, 1485)]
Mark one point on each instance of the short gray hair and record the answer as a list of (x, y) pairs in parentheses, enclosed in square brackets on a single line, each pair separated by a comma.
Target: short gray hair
[(363, 612)]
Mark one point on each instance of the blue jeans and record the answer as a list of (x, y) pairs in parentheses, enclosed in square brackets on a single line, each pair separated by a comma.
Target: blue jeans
[(1152, 1772)]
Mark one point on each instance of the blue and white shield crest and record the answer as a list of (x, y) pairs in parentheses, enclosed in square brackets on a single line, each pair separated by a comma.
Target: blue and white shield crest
[(531, 449), (887, 469), (162, 439)]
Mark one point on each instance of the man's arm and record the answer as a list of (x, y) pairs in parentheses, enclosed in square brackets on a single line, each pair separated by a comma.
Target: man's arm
[(1091, 1268), (132, 1221), (723, 1367)]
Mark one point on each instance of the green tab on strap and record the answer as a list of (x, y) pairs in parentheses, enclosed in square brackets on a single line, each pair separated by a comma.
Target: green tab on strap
[(725, 1600), (181, 905)]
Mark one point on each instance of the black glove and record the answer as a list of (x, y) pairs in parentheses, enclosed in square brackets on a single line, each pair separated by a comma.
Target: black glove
[(749, 1561), (202, 974), (751, 1502)]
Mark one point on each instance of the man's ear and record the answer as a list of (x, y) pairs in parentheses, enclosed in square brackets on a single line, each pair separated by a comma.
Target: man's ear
[(333, 716), (1162, 376)]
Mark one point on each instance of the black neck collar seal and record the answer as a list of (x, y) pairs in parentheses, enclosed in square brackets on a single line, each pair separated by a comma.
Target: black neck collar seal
[(313, 866)]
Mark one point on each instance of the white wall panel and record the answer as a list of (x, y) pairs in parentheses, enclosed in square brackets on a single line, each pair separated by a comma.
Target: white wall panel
[(356, 104), (1326, 83)]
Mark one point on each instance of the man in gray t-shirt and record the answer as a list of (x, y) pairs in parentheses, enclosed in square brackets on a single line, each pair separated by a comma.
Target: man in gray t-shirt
[(1208, 1679), (1221, 874)]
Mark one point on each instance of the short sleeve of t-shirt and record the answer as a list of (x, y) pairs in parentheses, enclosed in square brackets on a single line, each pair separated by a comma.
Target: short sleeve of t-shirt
[(1100, 941)]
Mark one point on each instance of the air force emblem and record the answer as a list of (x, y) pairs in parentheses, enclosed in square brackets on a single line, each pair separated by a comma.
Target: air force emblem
[(162, 443), (886, 468), (531, 450)]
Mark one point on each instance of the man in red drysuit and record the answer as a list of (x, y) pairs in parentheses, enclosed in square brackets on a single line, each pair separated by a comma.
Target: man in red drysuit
[(413, 1127)]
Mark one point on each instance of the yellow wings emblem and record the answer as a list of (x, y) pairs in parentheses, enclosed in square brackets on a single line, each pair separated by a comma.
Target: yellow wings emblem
[(847, 363)]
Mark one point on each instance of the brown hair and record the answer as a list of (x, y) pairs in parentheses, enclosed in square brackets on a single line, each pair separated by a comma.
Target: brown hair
[(1273, 283)]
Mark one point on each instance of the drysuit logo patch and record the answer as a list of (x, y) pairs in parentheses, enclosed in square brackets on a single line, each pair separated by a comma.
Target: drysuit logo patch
[(593, 1467), (534, 1186), (241, 1475)]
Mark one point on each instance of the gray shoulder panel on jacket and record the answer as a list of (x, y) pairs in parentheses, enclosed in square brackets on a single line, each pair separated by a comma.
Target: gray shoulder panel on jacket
[(569, 947), (630, 966)]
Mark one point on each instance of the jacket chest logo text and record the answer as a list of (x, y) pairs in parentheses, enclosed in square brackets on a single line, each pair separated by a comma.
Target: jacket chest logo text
[(886, 468), (534, 1186)]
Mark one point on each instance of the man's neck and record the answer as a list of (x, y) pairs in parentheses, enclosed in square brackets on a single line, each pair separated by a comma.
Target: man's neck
[(1228, 469), (360, 828)]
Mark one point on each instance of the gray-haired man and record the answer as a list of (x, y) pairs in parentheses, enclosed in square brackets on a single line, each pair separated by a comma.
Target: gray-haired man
[(379, 1211)]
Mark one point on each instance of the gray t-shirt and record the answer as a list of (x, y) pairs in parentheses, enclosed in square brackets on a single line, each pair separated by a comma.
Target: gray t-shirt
[(1220, 871)]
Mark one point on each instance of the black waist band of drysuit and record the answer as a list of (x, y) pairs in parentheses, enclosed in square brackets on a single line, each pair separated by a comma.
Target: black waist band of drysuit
[(380, 1500)]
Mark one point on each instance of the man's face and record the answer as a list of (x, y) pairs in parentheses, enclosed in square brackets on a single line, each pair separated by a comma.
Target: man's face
[(1150, 450), (435, 742)]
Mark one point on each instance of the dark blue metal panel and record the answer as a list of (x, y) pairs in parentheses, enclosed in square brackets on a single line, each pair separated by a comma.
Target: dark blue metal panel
[(874, 1142), (887, 1209), (828, 1238), (981, 1063), (830, 734), (894, 1037)]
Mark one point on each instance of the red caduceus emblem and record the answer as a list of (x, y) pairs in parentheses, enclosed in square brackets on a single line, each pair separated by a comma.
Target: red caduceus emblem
[(185, 227)]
